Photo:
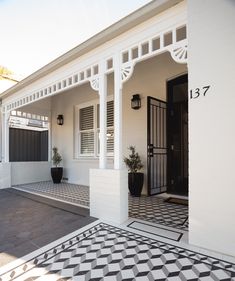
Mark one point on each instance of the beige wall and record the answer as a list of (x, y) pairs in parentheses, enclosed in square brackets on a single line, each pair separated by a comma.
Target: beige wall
[(149, 79)]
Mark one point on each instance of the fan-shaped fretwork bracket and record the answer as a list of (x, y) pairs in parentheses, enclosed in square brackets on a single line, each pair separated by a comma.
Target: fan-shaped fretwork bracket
[(126, 71), (95, 83), (180, 53)]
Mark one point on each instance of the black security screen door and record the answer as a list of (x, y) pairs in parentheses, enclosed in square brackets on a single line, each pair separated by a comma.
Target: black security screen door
[(157, 146)]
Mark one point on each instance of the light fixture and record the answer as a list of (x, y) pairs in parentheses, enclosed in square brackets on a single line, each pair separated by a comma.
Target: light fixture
[(136, 102), (60, 119)]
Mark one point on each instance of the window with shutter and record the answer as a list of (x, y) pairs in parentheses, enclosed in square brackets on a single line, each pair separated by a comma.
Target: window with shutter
[(89, 129), (86, 128), (110, 128)]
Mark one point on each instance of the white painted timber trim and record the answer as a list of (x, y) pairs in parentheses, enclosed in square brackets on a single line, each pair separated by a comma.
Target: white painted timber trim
[(103, 119)]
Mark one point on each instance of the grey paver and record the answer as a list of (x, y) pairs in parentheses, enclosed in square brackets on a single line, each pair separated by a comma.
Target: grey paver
[(27, 224)]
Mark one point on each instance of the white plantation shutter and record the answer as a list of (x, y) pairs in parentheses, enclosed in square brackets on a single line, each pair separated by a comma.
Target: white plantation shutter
[(110, 141), (89, 129), (110, 129), (86, 127), (110, 114), (87, 143), (110, 123), (86, 118)]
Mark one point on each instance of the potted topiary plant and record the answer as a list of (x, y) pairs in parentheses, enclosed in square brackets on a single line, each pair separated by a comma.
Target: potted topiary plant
[(135, 178), (56, 172)]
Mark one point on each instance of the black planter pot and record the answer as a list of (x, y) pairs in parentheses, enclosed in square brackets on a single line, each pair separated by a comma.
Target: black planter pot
[(56, 174), (135, 183)]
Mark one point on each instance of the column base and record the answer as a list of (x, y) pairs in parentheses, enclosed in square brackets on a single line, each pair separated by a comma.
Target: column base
[(109, 195)]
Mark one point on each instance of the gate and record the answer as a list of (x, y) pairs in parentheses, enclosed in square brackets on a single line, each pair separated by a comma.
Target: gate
[(157, 146)]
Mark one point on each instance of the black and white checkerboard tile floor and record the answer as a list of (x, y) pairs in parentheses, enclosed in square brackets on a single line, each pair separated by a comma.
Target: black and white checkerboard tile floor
[(105, 252), (155, 209), (70, 193)]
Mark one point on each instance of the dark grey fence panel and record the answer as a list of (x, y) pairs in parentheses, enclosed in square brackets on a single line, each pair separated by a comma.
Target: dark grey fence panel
[(28, 145)]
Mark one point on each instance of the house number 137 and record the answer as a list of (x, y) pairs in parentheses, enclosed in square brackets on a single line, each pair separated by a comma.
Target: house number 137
[(197, 92)]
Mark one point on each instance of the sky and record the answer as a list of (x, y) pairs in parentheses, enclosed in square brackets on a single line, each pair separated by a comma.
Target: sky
[(34, 32)]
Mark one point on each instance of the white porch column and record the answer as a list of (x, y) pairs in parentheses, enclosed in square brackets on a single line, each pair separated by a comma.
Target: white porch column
[(1, 133), (109, 187), (5, 137), (103, 116), (5, 166), (118, 161)]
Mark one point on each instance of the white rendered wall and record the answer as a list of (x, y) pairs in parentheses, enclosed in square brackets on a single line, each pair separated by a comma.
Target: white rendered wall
[(28, 172), (5, 175), (211, 119)]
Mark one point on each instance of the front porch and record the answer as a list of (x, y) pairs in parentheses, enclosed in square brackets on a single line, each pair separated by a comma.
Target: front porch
[(93, 96)]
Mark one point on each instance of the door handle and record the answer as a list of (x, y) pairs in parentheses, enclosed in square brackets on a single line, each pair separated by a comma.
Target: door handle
[(150, 150)]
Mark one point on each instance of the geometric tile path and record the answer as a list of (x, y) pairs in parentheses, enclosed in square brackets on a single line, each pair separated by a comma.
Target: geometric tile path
[(71, 193), (108, 253), (155, 210)]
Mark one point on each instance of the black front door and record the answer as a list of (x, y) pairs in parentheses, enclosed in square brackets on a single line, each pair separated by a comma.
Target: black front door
[(177, 135)]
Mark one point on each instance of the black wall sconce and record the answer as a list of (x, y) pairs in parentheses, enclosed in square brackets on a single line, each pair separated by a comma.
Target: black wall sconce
[(136, 102), (60, 119)]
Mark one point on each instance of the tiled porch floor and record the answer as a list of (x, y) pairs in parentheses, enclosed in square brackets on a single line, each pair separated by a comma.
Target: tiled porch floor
[(70, 193), (152, 209), (156, 210)]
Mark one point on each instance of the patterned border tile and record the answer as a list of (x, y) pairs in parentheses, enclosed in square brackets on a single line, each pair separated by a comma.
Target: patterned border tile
[(118, 247)]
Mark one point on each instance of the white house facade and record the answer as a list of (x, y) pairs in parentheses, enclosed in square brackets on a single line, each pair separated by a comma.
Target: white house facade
[(178, 57)]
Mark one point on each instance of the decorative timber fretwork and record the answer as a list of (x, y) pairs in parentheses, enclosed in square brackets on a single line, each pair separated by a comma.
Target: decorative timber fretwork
[(76, 78), (126, 71), (172, 40), (180, 53), (95, 83), (79, 77)]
